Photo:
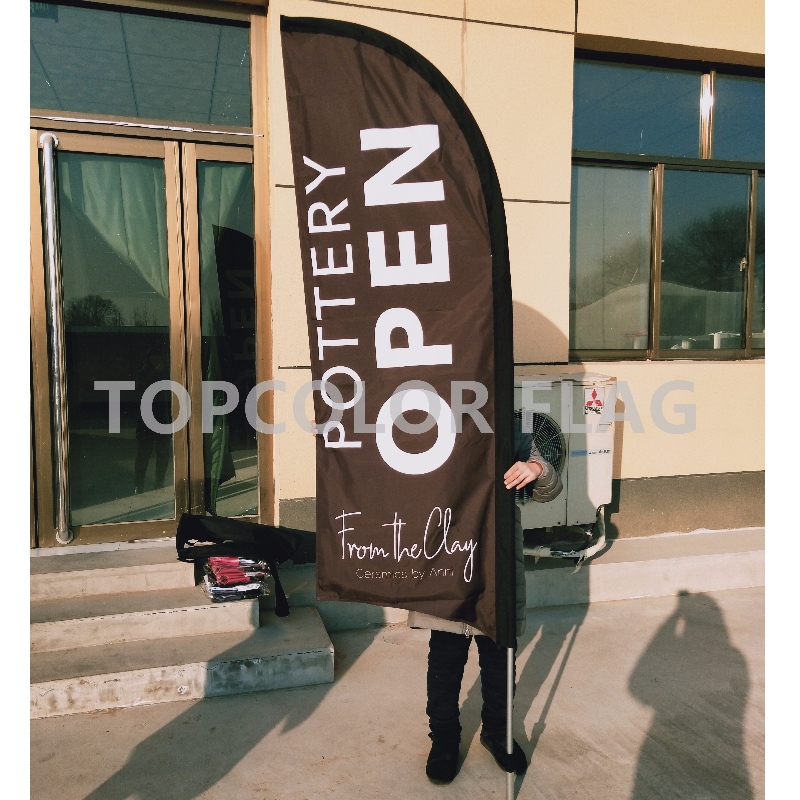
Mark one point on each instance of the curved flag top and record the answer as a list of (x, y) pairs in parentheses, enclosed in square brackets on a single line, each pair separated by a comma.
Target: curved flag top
[(408, 299)]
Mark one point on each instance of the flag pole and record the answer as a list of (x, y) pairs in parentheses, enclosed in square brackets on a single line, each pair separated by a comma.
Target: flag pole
[(509, 737)]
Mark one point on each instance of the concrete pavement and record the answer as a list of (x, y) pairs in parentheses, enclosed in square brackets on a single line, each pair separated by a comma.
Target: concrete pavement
[(650, 699)]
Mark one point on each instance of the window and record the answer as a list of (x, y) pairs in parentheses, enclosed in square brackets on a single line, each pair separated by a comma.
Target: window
[(738, 118), (610, 258), (703, 256), (667, 211), (139, 65), (625, 108)]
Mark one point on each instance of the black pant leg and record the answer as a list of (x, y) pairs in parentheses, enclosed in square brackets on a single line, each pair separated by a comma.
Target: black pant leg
[(447, 656), (493, 662)]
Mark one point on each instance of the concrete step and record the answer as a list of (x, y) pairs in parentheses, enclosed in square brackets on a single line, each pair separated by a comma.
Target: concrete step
[(651, 566), (78, 573), (296, 651), (282, 653), (87, 621)]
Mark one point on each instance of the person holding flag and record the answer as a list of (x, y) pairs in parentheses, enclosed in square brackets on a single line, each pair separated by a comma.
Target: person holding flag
[(387, 157), (450, 643)]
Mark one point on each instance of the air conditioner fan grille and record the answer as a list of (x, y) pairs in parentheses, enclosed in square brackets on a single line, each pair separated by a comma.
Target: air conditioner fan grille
[(547, 437)]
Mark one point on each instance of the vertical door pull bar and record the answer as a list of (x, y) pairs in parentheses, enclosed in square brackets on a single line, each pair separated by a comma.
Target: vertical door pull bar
[(57, 367)]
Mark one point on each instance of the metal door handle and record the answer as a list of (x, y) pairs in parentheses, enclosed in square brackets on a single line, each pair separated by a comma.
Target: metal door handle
[(64, 535)]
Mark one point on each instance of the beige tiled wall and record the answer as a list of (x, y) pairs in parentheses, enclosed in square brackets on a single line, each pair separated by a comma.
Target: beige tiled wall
[(723, 24), (289, 307), (538, 243), (523, 105), (728, 400), (522, 102), (556, 15), (438, 8), (294, 448)]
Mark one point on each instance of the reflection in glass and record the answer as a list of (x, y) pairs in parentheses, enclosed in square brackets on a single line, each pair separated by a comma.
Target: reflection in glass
[(703, 260), (228, 320), (621, 108), (609, 258), (738, 118), (116, 316), (128, 64), (759, 305)]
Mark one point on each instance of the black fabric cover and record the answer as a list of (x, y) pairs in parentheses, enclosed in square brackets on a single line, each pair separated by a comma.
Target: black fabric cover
[(224, 536)]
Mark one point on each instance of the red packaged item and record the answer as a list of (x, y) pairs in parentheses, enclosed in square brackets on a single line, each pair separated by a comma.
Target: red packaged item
[(234, 578)]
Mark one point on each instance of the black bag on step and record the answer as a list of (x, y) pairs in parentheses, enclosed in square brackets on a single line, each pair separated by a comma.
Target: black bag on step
[(200, 537)]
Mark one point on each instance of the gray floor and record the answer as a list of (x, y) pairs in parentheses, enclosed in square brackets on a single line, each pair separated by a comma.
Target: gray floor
[(652, 699)]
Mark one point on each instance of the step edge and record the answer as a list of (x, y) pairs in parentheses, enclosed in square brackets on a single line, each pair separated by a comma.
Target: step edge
[(67, 585), (53, 627), (191, 596), (201, 668), (309, 635), (102, 547)]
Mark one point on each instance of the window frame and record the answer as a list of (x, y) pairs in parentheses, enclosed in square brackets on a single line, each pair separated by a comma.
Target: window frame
[(658, 164)]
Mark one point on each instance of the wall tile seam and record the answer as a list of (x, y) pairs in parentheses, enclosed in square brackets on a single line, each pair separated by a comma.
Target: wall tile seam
[(566, 32), (695, 362), (693, 475), (538, 202), (505, 199)]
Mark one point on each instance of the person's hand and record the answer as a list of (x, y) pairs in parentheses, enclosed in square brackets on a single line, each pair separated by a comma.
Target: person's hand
[(522, 473)]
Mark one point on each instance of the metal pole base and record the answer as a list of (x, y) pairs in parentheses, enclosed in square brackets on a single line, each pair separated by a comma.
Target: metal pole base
[(509, 712)]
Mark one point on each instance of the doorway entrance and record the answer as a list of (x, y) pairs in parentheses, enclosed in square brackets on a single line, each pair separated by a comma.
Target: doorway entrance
[(155, 333)]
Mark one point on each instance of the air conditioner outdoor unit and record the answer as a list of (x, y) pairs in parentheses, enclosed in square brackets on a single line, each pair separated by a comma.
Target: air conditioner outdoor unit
[(571, 419)]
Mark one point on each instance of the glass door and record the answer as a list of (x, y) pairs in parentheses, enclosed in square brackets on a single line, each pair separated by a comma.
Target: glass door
[(158, 302), (119, 224), (221, 322)]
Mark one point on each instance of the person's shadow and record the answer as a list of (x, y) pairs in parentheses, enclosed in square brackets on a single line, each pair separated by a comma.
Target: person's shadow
[(174, 761), (697, 684)]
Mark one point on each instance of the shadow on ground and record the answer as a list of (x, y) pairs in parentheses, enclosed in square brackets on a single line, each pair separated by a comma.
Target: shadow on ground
[(691, 676), (697, 684), (173, 762)]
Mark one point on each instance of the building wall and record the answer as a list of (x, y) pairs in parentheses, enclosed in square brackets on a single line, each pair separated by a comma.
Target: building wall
[(736, 25), (657, 399), (523, 104)]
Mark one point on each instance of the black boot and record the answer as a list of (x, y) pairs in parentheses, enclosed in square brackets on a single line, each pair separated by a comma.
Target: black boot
[(442, 763), (447, 656), (497, 747)]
